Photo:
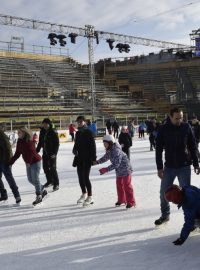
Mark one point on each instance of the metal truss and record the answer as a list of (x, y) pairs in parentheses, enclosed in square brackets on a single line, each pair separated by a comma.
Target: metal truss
[(90, 33)]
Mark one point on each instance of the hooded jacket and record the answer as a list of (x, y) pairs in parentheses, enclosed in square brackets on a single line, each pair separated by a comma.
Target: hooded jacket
[(179, 145)]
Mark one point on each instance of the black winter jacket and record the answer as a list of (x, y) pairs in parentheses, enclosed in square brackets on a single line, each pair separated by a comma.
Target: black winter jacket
[(125, 139), (49, 141), (5, 148), (85, 146), (179, 145)]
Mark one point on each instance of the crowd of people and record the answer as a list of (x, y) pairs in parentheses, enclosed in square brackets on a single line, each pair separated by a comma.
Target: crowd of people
[(175, 137)]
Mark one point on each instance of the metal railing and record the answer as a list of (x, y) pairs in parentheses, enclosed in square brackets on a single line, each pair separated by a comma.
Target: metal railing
[(34, 49)]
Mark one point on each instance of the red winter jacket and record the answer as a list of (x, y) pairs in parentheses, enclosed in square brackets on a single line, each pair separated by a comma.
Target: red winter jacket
[(27, 150)]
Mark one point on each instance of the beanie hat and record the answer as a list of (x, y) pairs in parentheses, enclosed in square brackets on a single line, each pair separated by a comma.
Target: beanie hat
[(108, 138), (47, 121), (174, 194)]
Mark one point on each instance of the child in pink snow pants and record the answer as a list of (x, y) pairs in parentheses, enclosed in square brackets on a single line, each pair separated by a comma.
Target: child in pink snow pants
[(122, 166)]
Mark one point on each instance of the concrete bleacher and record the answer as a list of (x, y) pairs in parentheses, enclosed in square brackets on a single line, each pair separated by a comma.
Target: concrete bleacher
[(35, 86), (158, 84)]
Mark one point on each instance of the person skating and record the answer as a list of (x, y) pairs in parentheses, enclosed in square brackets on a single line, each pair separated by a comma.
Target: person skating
[(125, 141), (72, 131), (5, 169), (187, 198), (115, 128), (49, 141), (121, 164), (177, 139), (26, 148), (85, 154)]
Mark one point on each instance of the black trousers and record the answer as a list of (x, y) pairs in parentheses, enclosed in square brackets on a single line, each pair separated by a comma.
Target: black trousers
[(50, 170), (83, 171)]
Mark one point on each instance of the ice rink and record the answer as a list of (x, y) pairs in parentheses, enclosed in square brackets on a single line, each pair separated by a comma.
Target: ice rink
[(61, 235)]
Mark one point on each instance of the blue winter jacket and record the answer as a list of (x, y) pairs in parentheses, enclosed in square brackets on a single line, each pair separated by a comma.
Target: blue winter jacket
[(191, 209), (179, 145), (119, 160)]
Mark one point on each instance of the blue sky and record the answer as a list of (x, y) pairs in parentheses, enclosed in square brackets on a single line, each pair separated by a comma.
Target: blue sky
[(168, 20)]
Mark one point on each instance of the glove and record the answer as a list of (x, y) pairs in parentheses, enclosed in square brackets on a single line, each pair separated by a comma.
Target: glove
[(103, 170), (178, 242)]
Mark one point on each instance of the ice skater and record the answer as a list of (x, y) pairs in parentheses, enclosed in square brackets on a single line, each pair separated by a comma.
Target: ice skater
[(188, 198), (26, 148), (121, 164)]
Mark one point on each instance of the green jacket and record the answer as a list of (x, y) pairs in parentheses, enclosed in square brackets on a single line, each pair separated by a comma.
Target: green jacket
[(5, 148)]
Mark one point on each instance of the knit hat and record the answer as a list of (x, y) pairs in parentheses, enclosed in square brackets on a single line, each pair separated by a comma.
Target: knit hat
[(47, 121), (174, 194), (108, 138)]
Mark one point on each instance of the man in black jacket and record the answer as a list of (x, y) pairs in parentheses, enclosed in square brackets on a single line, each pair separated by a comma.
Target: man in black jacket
[(49, 141), (85, 154), (177, 139)]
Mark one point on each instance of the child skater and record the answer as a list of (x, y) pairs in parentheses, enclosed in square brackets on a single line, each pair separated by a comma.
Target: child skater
[(121, 164), (187, 198), (26, 148)]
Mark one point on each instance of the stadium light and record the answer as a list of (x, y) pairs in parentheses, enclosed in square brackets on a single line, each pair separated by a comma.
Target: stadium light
[(110, 43), (123, 47), (73, 37), (52, 37), (96, 36), (61, 40)]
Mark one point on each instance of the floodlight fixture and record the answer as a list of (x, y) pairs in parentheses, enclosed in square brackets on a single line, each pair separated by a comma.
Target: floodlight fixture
[(96, 36), (120, 46), (110, 43), (52, 37), (61, 38), (127, 48), (73, 37), (123, 47)]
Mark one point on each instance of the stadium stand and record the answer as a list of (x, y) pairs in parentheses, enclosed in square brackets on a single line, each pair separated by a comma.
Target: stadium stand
[(36, 86)]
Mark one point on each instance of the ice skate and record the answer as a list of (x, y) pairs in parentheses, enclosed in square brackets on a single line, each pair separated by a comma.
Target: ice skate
[(44, 194), (82, 198), (117, 204), (128, 206), (161, 221), (38, 200), (56, 187), (88, 201), (18, 201)]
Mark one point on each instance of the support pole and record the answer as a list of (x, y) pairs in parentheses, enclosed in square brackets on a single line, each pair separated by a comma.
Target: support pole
[(89, 30)]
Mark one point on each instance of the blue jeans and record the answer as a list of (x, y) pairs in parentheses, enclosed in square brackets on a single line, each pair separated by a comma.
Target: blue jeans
[(6, 170), (33, 172), (184, 177)]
